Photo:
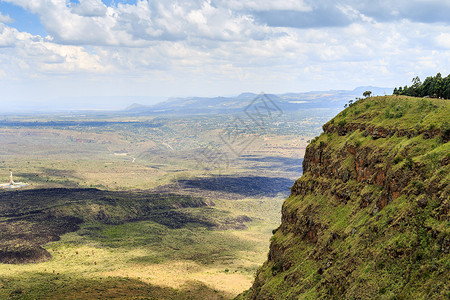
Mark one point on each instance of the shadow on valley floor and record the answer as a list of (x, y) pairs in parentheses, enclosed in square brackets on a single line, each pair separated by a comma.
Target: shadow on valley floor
[(286, 164), (32, 218), (49, 175), (245, 186)]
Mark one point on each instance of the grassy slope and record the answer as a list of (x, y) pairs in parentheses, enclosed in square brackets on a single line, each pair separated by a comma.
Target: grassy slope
[(380, 231)]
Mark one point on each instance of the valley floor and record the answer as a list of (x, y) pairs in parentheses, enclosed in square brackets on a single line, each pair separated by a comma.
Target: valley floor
[(172, 247)]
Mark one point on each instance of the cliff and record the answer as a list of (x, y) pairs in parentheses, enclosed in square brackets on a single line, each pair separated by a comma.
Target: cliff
[(369, 218)]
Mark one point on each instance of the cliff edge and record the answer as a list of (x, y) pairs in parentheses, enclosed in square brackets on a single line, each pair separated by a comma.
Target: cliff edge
[(369, 218)]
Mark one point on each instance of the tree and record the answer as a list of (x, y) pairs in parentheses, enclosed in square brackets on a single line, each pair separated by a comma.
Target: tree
[(415, 87), (446, 88), (436, 87), (426, 87), (367, 93)]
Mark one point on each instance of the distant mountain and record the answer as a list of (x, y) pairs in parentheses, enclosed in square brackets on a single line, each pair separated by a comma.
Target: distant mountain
[(136, 106), (286, 102)]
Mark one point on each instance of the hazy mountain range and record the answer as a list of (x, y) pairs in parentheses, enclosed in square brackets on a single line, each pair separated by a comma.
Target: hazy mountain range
[(286, 102), (191, 105)]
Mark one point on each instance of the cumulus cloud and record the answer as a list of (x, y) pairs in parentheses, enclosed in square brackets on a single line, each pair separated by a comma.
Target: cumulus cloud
[(289, 44), (443, 40), (267, 5), (24, 53), (7, 36), (5, 18), (92, 23), (89, 8)]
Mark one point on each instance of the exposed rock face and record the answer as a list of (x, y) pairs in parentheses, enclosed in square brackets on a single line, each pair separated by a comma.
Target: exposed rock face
[(380, 132), (369, 217)]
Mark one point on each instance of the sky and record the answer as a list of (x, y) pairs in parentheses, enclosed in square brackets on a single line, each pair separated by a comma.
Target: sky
[(108, 54)]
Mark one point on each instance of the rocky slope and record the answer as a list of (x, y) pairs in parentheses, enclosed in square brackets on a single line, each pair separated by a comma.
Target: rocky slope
[(369, 218)]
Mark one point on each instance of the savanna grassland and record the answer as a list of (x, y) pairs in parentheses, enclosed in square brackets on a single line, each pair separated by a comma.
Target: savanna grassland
[(134, 207)]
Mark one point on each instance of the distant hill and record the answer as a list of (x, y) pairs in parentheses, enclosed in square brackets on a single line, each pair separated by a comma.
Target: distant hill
[(286, 102)]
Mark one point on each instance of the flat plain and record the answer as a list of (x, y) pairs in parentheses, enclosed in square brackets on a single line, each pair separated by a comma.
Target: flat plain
[(143, 206)]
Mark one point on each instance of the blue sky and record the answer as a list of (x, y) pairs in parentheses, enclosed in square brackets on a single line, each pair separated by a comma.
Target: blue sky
[(22, 19), (102, 54)]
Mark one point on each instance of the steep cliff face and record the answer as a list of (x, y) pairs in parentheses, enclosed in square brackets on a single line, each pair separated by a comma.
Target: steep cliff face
[(369, 218)]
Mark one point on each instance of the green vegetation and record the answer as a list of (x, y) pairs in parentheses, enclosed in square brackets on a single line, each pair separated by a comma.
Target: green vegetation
[(161, 243), (367, 94), (119, 206), (435, 87), (49, 285), (402, 113), (369, 217)]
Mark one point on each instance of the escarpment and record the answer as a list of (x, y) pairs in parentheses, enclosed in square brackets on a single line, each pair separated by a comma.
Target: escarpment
[(369, 218)]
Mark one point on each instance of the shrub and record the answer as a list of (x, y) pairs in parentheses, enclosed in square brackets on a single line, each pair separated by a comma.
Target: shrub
[(409, 163), (424, 104), (418, 184), (342, 123), (445, 130), (395, 111), (277, 267), (357, 112), (398, 159), (387, 113)]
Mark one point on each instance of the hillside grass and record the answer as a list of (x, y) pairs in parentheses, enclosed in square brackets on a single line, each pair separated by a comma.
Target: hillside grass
[(362, 251), (399, 112)]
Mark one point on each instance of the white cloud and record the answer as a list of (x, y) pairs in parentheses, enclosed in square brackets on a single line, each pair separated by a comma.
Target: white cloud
[(443, 40), (225, 46), (261, 5), (28, 56), (5, 18), (7, 36), (89, 8), (92, 23)]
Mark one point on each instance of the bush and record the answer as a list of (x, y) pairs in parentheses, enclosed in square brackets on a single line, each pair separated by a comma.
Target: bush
[(409, 163), (418, 184), (277, 267), (342, 123), (445, 130), (398, 159)]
